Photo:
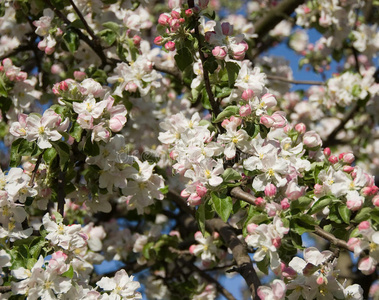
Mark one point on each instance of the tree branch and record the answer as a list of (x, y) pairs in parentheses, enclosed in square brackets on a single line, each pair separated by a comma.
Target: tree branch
[(293, 81), (5, 289), (239, 248), (331, 238), (240, 194)]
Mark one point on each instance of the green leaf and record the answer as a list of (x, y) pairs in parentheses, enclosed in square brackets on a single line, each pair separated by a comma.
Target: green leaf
[(303, 223), (263, 264), (226, 113), (49, 154), (183, 58), (231, 174), (223, 205), (345, 213), (76, 131), (15, 157), (252, 129), (224, 92), (319, 205), (112, 26), (91, 149), (71, 40), (58, 217), (205, 100), (69, 273), (233, 70), (200, 218), (363, 215), (63, 151), (108, 36), (263, 131), (301, 203), (164, 190), (210, 64)]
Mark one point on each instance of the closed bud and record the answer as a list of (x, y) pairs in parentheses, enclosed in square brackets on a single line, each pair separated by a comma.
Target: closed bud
[(170, 46), (270, 190), (158, 40), (227, 29), (245, 110), (327, 152), (175, 14), (300, 128), (164, 19), (375, 200), (333, 159), (348, 169), (219, 52), (189, 12), (348, 158), (247, 95)]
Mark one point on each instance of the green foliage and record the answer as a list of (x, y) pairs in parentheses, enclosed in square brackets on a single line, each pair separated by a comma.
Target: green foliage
[(222, 204)]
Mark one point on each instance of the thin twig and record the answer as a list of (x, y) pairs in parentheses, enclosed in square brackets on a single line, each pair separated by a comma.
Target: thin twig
[(5, 289), (34, 172), (293, 81), (331, 238), (89, 30), (210, 279)]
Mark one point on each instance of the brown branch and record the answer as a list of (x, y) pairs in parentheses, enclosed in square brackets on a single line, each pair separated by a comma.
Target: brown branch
[(239, 248), (61, 193), (293, 81), (89, 30), (34, 172), (240, 194), (331, 238), (331, 139), (5, 289), (93, 44), (210, 279)]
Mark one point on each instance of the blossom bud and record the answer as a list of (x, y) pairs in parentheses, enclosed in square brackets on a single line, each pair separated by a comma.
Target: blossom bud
[(227, 29), (131, 87), (136, 40), (174, 233), (192, 249), (164, 19), (352, 243), (219, 52), (79, 75), (201, 190), (285, 204), (55, 69), (259, 201), (348, 169), (300, 128), (175, 14), (247, 94), (245, 110), (208, 35), (189, 12), (158, 40), (276, 242), (327, 152), (364, 225), (333, 159), (49, 50), (194, 200), (320, 279), (348, 158), (311, 139), (117, 122), (198, 235), (215, 235), (269, 100), (367, 265), (375, 200), (267, 121), (251, 227), (341, 155), (318, 189), (63, 85), (270, 190), (170, 46)]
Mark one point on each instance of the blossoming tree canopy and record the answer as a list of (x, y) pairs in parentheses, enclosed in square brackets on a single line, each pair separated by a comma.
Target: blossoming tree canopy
[(164, 138)]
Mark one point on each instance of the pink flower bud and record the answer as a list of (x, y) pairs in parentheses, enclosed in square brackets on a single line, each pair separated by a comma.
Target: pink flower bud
[(270, 190), (333, 159), (137, 40), (215, 235), (276, 242), (348, 158), (192, 249), (158, 40), (285, 204), (164, 19), (251, 228), (189, 12), (352, 243), (267, 121), (55, 69), (198, 235), (131, 87), (348, 169), (245, 110), (194, 200), (117, 122), (247, 95), (170, 46), (311, 139), (318, 189), (79, 75), (219, 52), (174, 233), (259, 201), (375, 200), (49, 50), (201, 190), (320, 279), (63, 85), (175, 14), (226, 28), (327, 152), (300, 128), (364, 225), (269, 100)]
